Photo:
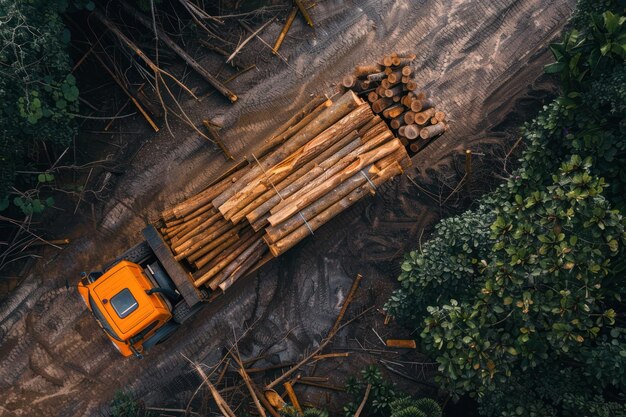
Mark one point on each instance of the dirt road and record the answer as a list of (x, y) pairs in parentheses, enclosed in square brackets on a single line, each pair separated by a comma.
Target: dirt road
[(480, 59)]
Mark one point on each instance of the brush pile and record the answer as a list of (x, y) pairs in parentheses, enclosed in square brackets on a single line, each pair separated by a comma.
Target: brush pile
[(319, 163), (393, 93)]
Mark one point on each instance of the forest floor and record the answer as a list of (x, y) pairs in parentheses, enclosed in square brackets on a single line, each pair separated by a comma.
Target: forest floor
[(481, 60)]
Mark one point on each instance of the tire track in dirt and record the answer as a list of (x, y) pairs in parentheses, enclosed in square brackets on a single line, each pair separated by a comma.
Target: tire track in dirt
[(475, 57)]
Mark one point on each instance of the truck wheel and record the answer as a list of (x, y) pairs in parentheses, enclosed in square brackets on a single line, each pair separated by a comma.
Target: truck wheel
[(137, 254), (182, 311), (161, 335)]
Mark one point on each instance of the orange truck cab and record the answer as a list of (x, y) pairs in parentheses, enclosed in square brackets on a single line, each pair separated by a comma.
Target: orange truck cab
[(141, 297)]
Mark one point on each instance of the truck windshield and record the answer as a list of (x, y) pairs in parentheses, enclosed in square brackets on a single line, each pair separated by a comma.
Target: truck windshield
[(100, 317), (124, 303)]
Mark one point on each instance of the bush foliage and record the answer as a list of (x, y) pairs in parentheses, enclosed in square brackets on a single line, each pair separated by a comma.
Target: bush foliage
[(38, 93), (520, 300)]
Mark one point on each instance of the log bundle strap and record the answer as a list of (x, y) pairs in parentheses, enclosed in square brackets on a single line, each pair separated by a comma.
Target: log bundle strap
[(320, 162)]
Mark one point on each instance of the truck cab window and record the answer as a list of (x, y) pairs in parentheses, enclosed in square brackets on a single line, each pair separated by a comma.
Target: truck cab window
[(124, 303)]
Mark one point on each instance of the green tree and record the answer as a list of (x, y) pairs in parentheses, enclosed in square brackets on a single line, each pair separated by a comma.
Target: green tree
[(520, 301), (38, 93)]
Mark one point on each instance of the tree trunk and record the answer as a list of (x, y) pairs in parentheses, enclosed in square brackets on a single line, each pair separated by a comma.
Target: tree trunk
[(278, 172), (301, 232), (301, 201), (348, 102)]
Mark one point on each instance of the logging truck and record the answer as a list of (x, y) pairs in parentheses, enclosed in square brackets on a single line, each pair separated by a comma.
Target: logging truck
[(321, 161)]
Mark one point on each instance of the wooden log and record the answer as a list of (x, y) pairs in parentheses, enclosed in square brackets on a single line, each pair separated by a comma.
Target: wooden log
[(407, 70), (401, 131), (368, 140), (393, 111), (388, 70), (432, 131), (271, 141), (416, 105), (196, 226), (376, 76), (212, 254), (204, 209), (186, 228), (304, 12), (395, 77), (279, 231), (292, 397), (364, 85), (215, 137), (401, 343), (218, 241), (415, 147), (294, 129), (244, 235), (381, 104), (423, 117), (387, 61), (278, 172), (346, 103), (411, 85), (405, 79), (301, 232), (205, 197), (281, 36), (181, 53), (397, 90), (301, 200), (198, 241), (348, 81), (409, 117), (248, 382), (220, 263), (246, 265), (433, 121), (275, 193), (316, 180), (237, 263), (441, 116), (396, 122), (262, 204), (365, 70), (380, 90), (372, 97), (411, 132)]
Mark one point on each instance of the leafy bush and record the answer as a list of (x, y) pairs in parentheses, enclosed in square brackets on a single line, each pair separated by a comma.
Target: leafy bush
[(38, 93), (520, 300)]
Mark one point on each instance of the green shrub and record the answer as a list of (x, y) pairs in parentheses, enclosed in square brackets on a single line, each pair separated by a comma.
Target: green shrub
[(38, 93), (520, 301)]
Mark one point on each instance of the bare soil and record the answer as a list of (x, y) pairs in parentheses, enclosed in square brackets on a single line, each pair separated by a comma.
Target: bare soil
[(482, 60)]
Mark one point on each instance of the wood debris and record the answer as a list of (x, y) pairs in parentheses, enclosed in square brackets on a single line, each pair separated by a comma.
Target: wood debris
[(321, 162), (394, 95)]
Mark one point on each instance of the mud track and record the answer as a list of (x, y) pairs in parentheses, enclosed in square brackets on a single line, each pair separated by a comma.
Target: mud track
[(480, 59)]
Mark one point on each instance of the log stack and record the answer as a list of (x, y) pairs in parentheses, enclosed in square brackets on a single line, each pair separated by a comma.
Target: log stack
[(321, 161), (395, 96)]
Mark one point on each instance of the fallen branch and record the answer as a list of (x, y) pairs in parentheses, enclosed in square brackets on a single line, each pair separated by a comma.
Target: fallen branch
[(362, 405), (326, 341), (248, 39)]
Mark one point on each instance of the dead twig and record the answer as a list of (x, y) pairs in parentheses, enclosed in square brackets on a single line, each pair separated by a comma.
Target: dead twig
[(326, 341), (248, 39), (363, 401)]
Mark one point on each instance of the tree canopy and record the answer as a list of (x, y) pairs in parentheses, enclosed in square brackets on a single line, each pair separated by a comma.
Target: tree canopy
[(520, 300)]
